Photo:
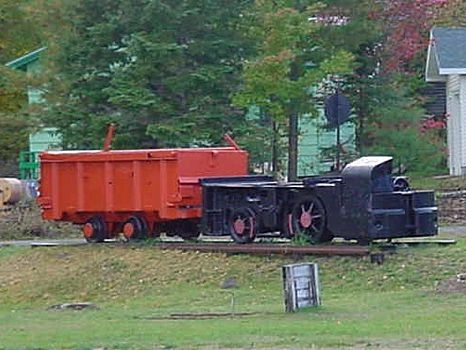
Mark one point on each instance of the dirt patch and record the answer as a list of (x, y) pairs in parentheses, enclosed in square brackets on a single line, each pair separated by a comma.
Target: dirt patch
[(202, 316), (455, 284)]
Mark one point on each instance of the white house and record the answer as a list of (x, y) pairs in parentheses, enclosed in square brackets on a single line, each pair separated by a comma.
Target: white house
[(446, 62)]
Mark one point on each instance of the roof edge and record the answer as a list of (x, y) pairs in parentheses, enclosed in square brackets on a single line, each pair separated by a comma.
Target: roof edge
[(25, 59), (449, 71)]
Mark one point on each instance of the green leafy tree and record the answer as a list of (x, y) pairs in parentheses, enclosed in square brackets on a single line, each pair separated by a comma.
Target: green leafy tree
[(162, 71), (19, 33), (17, 37), (292, 60), (14, 127)]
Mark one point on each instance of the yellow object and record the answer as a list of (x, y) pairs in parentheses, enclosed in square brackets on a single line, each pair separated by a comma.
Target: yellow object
[(11, 191)]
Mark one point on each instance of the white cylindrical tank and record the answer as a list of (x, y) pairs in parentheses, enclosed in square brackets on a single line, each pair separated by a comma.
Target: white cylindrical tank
[(11, 190)]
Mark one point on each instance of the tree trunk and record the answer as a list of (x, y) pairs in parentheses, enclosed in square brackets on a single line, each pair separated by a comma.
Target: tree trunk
[(275, 136), (293, 147)]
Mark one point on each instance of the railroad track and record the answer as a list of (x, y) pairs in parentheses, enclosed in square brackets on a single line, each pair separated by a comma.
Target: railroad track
[(224, 246), (267, 249), (220, 247)]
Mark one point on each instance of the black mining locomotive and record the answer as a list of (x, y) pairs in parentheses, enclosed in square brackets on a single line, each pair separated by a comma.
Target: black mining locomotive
[(364, 203)]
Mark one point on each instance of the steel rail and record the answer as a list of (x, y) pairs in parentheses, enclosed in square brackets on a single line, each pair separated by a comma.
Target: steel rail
[(327, 250)]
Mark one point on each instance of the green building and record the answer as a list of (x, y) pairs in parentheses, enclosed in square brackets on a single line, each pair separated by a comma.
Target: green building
[(317, 144)]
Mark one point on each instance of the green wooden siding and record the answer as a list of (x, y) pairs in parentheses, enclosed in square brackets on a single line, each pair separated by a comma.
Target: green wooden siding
[(313, 138)]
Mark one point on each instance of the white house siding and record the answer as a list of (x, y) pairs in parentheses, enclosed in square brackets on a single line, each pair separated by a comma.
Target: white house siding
[(455, 126), (462, 112)]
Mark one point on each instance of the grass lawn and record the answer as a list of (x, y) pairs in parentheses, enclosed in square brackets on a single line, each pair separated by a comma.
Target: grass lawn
[(396, 305)]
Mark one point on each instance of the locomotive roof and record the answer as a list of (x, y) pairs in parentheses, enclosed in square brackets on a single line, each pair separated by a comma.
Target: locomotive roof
[(370, 161), (363, 170)]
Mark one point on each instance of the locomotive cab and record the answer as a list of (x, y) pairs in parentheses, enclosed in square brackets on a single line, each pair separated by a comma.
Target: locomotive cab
[(365, 202), (376, 205)]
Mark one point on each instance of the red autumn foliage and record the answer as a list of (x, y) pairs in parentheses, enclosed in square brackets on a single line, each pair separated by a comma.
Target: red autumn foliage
[(407, 27), (436, 122)]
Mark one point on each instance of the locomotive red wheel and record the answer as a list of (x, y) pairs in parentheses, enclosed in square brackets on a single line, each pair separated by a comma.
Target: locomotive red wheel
[(135, 228), (94, 230), (243, 225), (307, 217)]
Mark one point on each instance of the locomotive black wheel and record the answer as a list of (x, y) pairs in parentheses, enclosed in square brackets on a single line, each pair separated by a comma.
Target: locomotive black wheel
[(189, 229), (135, 228), (243, 225), (94, 230), (306, 217), (327, 236), (185, 229)]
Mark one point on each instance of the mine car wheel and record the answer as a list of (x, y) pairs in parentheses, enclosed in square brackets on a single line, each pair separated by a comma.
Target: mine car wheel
[(243, 225), (307, 217), (135, 228), (94, 230)]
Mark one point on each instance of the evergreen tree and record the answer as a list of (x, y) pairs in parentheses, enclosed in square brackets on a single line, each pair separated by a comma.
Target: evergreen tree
[(163, 71)]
